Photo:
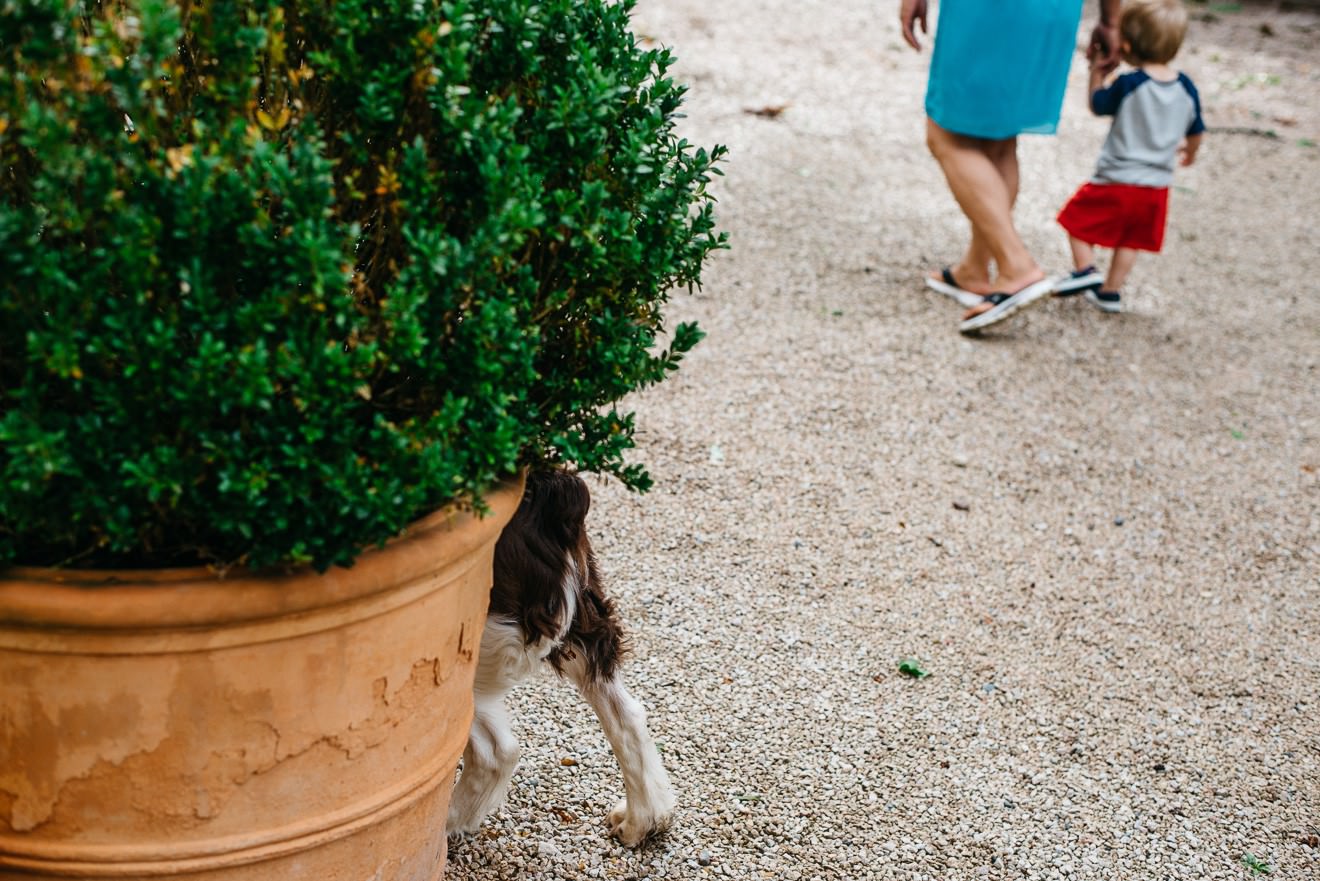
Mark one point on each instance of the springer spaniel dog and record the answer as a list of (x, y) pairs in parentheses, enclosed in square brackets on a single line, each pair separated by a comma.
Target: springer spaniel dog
[(548, 605)]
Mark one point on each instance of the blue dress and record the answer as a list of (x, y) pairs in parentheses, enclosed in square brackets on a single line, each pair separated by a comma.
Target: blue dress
[(1000, 67)]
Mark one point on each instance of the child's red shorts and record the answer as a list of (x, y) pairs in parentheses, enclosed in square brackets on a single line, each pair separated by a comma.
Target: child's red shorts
[(1117, 216)]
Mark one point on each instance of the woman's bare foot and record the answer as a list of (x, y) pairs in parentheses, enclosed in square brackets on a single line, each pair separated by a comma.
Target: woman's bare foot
[(969, 278)]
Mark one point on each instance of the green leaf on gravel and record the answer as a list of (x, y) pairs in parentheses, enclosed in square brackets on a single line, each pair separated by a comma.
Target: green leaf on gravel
[(1256, 864), (1255, 79), (912, 667), (1305, 142)]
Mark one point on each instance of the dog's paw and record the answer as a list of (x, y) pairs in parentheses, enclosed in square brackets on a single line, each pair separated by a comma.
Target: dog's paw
[(461, 821), (632, 827)]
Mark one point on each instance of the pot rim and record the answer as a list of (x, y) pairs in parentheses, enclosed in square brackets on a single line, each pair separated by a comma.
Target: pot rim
[(196, 597)]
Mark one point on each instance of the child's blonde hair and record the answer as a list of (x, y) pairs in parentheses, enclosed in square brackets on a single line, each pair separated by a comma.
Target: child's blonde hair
[(1154, 29)]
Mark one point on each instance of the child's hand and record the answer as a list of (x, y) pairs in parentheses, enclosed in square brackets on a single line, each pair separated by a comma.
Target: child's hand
[(1187, 150), (1096, 59)]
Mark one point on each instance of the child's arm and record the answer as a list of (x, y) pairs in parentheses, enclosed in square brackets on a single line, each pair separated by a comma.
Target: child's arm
[(1104, 101), (1097, 79), (1197, 126), (1188, 149)]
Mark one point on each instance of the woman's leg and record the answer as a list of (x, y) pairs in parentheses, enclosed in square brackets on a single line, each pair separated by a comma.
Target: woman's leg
[(1003, 154), (983, 177), (976, 262), (973, 270)]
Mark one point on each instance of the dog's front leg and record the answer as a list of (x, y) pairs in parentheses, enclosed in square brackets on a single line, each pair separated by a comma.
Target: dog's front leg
[(489, 760), (649, 803)]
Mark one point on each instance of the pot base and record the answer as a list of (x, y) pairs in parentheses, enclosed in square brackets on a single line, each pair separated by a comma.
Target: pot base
[(251, 729)]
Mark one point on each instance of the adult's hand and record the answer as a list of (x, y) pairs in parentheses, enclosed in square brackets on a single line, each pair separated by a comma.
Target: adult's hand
[(909, 13), (1103, 50)]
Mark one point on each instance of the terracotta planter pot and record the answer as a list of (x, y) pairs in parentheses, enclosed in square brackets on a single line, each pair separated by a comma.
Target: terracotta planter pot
[(169, 724)]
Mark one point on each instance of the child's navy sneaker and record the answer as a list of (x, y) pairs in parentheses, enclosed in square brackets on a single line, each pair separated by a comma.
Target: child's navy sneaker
[(1105, 301), (1087, 279)]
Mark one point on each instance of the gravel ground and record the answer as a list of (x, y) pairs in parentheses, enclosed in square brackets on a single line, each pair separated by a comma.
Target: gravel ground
[(1098, 533)]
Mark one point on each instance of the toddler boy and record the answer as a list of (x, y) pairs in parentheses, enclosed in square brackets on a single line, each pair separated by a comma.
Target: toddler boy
[(1157, 119)]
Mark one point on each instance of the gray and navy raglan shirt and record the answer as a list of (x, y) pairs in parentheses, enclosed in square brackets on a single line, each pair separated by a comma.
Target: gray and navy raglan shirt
[(1151, 118)]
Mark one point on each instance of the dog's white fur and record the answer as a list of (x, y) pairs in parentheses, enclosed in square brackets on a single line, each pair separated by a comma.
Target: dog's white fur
[(507, 658)]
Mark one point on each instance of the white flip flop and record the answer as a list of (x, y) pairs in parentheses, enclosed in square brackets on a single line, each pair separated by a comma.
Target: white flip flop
[(1006, 304), (949, 287)]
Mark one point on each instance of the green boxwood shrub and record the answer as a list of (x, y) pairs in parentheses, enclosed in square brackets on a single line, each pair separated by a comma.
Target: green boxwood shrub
[(278, 277)]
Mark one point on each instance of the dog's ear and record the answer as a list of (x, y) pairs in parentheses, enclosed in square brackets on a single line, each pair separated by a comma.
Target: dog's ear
[(544, 542), (558, 502)]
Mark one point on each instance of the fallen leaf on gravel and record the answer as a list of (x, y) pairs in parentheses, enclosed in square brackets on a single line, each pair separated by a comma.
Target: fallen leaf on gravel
[(770, 111), (912, 667)]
